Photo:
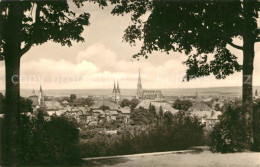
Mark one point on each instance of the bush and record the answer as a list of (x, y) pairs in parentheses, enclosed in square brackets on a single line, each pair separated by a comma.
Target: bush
[(45, 141), (229, 135), (256, 127), (167, 133)]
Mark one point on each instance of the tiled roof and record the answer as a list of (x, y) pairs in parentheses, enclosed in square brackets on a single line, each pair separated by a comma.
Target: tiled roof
[(113, 112), (157, 104), (98, 111), (125, 110), (206, 114), (108, 103), (50, 105), (198, 106)]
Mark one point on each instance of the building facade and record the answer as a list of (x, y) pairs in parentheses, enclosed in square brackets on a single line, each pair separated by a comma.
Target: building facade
[(142, 94)]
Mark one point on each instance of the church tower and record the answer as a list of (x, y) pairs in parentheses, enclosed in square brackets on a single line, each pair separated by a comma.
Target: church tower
[(114, 92), (118, 93), (41, 96), (139, 87)]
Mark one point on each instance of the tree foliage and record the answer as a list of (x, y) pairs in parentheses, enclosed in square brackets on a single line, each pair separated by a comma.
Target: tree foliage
[(229, 135), (256, 126), (25, 105), (43, 21), (125, 102), (133, 103), (46, 141), (196, 28), (144, 117), (174, 132), (104, 107), (182, 104), (88, 101)]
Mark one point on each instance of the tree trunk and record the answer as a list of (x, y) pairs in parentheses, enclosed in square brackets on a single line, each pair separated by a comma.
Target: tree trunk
[(247, 100), (12, 53), (248, 67)]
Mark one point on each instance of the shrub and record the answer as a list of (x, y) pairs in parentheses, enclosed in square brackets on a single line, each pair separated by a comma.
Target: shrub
[(229, 135), (166, 133), (256, 127), (45, 141)]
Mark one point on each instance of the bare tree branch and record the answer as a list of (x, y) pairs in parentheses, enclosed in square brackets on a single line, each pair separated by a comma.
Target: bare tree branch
[(235, 46), (26, 48), (29, 44)]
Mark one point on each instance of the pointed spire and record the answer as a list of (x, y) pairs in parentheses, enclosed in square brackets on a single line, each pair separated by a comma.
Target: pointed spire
[(33, 93), (114, 90), (41, 88), (139, 87), (118, 90), (139, 84)]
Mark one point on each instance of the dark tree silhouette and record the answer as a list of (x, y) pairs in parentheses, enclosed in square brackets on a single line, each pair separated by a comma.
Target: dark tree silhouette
[(125, 102), (201, 29), (25, 24), (182, 104)]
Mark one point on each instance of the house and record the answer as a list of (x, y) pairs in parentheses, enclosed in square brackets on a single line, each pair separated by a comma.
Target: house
[(199, 106), (157, 104), (52, 105), (208, 118), (85, 118), (125, 113), (212, 120), (112, 105), (111, 115)]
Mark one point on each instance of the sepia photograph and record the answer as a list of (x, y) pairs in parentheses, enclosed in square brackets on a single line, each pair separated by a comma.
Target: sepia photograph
[(130, 83)]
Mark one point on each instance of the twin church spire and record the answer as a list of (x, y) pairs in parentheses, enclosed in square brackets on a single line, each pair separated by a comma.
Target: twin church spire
[(116, 92), (116, 89)]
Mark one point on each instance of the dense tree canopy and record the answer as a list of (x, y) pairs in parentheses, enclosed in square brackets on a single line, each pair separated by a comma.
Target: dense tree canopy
[(196, 28), (42, 21), (182, 104)]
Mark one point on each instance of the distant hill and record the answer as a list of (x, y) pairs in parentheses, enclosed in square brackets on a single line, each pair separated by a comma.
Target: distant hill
[(222, 91)]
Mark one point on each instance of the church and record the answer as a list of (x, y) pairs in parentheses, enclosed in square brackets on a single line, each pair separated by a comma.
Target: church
[(37, 100), (116, 93), (147, 94)]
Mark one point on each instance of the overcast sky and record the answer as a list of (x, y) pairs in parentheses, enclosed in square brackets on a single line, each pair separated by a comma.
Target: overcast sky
[(103, 58)]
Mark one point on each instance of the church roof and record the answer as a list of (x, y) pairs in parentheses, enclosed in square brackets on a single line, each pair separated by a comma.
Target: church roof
[(152, 94)]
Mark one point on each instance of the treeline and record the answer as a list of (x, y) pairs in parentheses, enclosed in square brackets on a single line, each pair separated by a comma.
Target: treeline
[(167, 133)]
